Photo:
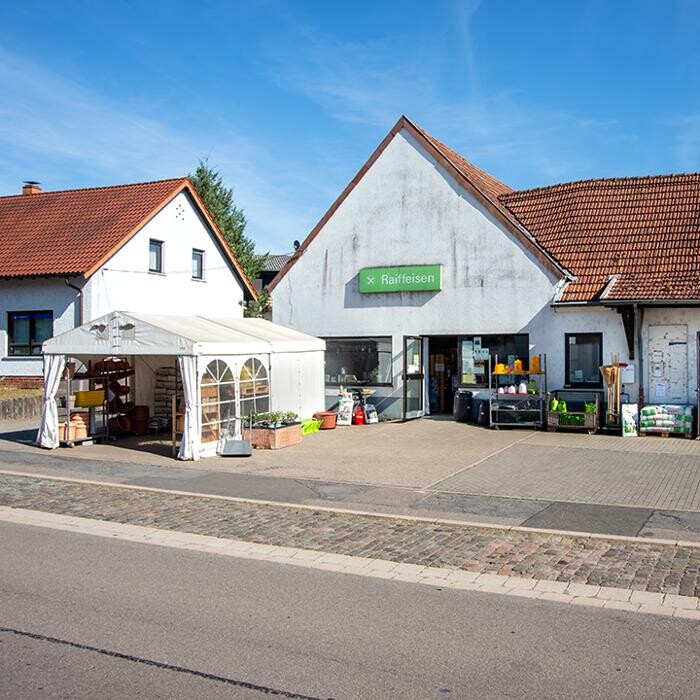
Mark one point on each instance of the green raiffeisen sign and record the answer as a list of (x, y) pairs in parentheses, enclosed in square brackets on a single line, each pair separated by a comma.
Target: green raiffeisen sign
[(406, 278)]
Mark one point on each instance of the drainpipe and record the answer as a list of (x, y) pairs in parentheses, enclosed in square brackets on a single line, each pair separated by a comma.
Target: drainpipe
[(79, 309), (638, 320)]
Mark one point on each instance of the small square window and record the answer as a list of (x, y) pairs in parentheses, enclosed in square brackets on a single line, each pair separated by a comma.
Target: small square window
[(155, 256), (197, 264)]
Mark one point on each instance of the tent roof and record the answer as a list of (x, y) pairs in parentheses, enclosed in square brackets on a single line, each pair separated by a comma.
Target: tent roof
[(154, 334)]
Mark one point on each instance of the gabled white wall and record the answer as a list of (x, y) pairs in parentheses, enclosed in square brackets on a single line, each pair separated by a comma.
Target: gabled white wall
[(408, 210), (124, 282)]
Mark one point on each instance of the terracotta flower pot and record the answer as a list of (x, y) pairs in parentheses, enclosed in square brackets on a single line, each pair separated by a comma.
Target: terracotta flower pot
[(328, 419)]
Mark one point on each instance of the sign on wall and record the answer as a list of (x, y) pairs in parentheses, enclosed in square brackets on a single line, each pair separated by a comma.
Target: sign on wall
[(406, 278), (668, 364)]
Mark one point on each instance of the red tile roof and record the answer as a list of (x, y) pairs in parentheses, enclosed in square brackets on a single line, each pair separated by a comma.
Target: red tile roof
[(623, 238), (69, 232), (73, 232)]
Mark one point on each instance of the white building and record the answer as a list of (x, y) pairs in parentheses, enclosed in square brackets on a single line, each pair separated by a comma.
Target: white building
[(424, 262), (72, 256)]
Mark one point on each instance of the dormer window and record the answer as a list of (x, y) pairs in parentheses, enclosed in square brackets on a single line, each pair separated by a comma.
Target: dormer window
[(155, 256)]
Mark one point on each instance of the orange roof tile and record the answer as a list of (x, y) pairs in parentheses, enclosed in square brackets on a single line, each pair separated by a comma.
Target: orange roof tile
[(73, 232), (644, 232), (69, 232)]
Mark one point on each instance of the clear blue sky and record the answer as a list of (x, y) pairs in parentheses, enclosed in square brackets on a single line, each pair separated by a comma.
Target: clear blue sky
[(287, 99)]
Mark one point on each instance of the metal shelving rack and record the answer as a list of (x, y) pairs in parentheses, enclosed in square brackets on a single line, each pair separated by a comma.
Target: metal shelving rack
[(522, 407)]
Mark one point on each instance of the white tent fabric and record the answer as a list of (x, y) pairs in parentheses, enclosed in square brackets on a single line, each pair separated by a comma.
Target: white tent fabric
[(196, 340), (134, 333), (190, 445), (48, 427)]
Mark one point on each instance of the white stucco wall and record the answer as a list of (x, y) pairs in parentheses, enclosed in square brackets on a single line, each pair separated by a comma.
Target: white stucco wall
[(408, 210), (33, 295), (124, 282)]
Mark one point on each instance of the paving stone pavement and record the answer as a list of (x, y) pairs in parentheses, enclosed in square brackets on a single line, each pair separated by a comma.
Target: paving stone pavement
[(640, 566), (585, 475)]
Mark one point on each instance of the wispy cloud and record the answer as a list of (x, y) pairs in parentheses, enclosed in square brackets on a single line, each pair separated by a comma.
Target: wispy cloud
[(69, 135), (372, 83)]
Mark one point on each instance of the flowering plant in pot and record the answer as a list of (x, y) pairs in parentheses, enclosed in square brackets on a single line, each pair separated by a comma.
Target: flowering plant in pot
[(275, 429)]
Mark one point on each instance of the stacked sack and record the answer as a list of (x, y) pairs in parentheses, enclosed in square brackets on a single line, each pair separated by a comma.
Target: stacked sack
[(667, 418), (165, 389)]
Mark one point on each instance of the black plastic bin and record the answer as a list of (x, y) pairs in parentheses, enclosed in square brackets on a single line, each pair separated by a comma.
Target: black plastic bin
[(462, 406), (482, 414)]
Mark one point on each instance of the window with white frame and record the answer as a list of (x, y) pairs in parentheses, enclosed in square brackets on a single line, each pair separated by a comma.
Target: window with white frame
[(155, 255), (218, 396), (197, 264), (254, 387)]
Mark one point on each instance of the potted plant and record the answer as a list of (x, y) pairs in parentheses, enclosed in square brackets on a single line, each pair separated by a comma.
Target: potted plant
[(275, 429)]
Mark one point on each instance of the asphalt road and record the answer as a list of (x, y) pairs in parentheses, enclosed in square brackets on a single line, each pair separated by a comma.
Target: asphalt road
[(88, 617)]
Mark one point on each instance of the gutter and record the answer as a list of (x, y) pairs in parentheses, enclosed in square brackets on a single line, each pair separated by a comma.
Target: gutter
[(626, 302), (79, 308)]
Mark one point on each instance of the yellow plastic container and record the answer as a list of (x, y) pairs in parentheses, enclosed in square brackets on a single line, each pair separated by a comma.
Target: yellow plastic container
[(89, 399)]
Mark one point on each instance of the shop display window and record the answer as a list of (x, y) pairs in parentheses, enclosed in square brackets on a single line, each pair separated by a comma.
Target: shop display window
[(254, 387), (359, 361), (27, 330), (475, 351), (583, 358)]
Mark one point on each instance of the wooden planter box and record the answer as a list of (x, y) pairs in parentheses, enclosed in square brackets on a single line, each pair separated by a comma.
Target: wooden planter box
[(276, 438)]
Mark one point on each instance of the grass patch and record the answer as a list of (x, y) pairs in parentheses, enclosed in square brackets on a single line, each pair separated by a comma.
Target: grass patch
[(11, 392)]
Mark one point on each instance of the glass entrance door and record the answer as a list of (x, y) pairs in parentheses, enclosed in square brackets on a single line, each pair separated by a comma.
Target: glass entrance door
[(412, 377)]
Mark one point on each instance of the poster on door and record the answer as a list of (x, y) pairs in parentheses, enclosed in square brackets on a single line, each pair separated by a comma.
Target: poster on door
[(668, 364)]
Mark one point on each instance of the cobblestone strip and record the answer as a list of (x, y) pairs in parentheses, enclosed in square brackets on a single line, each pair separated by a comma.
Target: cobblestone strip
[(563, 559), (445, 578)]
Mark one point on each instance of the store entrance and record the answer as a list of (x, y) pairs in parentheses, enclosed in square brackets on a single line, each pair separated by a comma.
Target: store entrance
[(443, 378)]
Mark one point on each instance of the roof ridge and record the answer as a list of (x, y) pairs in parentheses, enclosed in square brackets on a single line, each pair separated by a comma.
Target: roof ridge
[(650, 179), (442, 146), (101, 187)]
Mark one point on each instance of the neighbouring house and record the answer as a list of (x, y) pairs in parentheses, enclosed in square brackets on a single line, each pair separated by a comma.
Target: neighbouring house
[(273, 264), (426, 268), (72, 256)]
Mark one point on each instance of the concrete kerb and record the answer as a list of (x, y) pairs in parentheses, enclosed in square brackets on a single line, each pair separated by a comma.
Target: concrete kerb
[(362, 513), (685, 607)]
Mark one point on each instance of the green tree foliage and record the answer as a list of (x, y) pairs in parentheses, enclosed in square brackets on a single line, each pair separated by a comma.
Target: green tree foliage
[(257, 308), (228, 217)]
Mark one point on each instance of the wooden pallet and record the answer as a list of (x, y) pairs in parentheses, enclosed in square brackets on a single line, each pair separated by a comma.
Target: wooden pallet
[(687, 436)]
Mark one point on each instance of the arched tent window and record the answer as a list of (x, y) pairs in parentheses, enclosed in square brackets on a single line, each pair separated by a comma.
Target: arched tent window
[(255, 387), (218, 392)]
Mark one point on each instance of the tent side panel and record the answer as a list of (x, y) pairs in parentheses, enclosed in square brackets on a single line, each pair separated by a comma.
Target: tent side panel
[(297, 382)]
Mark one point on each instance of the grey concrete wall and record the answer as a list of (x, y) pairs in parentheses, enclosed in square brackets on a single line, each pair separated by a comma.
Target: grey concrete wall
[(24, 407)]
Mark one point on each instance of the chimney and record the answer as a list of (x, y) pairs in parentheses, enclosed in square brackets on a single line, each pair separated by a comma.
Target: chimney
[(31, 187)]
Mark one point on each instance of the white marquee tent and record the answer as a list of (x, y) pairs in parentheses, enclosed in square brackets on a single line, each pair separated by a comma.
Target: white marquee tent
[(248, 364)]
